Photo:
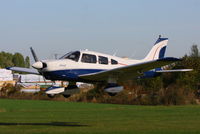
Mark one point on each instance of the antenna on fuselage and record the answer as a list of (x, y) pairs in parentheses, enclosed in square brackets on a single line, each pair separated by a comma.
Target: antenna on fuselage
[(115, 53), (56, 56), (132, 55)]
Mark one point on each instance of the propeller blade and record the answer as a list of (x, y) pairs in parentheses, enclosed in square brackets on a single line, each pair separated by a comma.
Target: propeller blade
[(34, 55), (44, 79)]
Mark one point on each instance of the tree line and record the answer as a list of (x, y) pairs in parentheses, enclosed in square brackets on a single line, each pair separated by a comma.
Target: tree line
[(16, 59)]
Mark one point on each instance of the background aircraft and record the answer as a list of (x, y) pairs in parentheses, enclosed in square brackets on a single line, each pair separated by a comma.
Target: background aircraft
[(104, 70)]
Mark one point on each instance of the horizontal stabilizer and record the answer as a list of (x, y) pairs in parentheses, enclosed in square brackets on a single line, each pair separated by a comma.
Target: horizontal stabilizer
[(25, 70), (175, 70)]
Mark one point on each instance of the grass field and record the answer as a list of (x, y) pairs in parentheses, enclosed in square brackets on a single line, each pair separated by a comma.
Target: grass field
[(51, 117)]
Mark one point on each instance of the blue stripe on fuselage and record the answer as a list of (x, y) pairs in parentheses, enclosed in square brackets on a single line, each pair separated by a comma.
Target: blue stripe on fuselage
[(69, 74), (72, 75)]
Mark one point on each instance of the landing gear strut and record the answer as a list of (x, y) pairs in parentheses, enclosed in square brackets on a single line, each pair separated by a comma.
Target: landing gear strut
[(70, 89)]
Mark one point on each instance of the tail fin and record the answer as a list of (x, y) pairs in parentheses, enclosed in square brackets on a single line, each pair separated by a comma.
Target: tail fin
[(158, 50)]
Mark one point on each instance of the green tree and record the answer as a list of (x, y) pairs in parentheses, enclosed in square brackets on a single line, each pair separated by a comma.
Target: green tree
[(27, 61), (5, 59), (18, 60), (194, 51)]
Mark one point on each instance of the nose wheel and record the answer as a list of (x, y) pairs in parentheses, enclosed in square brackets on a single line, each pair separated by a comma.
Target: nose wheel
[(51, 95)]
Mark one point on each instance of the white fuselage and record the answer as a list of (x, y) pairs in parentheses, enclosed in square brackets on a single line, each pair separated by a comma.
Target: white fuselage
[(68, 64)]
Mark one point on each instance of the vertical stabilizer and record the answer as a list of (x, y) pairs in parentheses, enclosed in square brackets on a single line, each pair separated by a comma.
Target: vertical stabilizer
[(158, 50)]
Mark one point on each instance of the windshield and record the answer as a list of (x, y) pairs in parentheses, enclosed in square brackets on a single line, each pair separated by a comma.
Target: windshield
[(72, 56)]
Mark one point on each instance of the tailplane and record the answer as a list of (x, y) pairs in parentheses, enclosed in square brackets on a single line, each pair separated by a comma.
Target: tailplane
[(158, 50)]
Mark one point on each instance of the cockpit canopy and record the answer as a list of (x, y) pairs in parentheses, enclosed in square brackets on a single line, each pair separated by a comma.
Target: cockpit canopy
[(72, 56), (89, 58)]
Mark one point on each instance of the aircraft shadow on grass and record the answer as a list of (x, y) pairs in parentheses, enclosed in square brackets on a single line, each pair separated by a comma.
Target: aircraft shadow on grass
[(64, 124)]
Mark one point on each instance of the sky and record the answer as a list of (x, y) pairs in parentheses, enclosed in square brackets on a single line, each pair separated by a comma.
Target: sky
[(125, 27)]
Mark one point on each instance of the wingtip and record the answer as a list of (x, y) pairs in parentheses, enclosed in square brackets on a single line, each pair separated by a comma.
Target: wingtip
[(8, 68)]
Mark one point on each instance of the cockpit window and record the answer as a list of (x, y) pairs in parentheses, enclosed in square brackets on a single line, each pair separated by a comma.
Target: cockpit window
[(103, 60), (89, 58), (114, 62), (72, 56)]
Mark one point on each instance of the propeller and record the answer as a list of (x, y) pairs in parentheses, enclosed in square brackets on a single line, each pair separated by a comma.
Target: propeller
[(39, 65)]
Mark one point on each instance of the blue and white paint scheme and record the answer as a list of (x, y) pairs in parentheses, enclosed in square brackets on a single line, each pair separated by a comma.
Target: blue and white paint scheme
[(94, 67)]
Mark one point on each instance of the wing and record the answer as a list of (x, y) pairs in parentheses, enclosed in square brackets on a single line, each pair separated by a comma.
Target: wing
[(25, 70), (130, 71)]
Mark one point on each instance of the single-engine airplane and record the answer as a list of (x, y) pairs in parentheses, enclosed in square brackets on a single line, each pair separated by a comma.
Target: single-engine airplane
[(101, 69)]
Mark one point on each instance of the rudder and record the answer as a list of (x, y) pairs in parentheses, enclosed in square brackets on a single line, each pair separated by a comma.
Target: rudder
[(158, 50)]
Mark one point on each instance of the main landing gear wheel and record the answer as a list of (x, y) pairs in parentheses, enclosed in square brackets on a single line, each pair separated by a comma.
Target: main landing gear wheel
[(66, 95), (112, 94), (70, 90)]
